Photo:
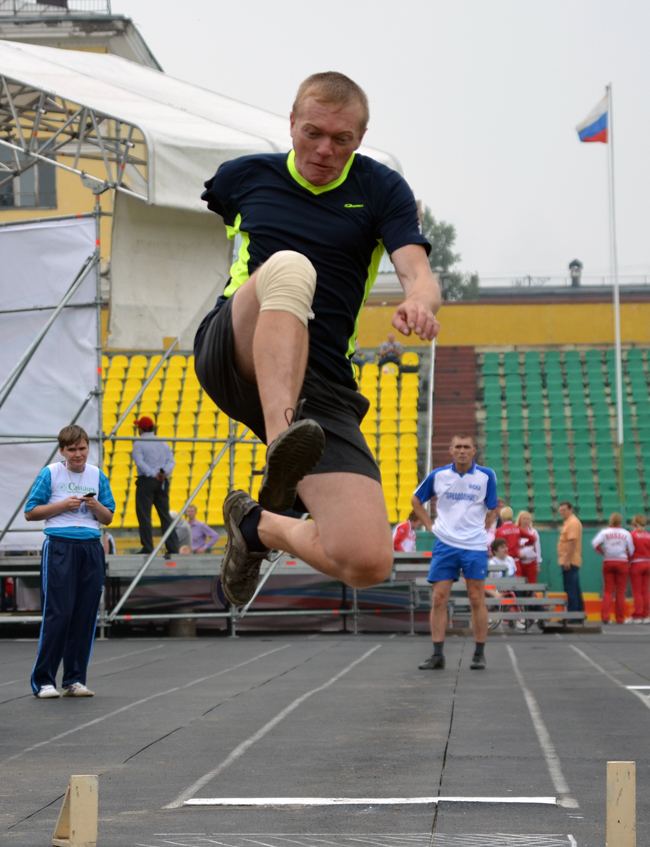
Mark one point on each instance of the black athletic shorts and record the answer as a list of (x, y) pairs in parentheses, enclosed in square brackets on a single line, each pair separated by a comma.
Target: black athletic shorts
[(339, 410)]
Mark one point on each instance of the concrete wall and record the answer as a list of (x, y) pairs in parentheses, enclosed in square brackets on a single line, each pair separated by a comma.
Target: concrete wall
[(533, 324)]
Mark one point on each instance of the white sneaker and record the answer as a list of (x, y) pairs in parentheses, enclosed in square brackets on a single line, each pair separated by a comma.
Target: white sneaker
[(645, 620), (629, 620), (47, 692), (637, 620), (77, 689)]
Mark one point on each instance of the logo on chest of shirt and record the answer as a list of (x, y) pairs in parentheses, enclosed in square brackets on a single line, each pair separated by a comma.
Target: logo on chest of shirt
[(353, 206)]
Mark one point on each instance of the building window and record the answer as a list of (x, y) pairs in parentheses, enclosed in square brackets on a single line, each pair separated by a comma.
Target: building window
[(33, 189)]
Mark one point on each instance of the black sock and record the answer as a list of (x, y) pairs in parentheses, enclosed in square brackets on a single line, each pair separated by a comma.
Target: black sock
[(248, 529), (437, 648), (479, 649)]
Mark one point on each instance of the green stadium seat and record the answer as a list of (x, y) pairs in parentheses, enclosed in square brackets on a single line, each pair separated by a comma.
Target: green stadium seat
[(558, 423), (543, 512), (583, 463), (609, 505), (594, 355), (555, 396), (565, 493), (603, 436), (601, 420), (536, 422), (643, 435), (537, 437), (571, 356), (635, 354), (588, 513), (493, 424), (552, 356), (556, 407), (491, 363), (511, 362), (582, 450), (534, 396), (581, 436), (560, 437)]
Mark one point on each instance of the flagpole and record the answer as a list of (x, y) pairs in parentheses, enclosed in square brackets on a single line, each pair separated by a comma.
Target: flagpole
[(617, 309)]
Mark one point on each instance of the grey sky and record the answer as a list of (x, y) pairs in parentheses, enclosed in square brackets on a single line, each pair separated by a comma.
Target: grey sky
[(478, 99)]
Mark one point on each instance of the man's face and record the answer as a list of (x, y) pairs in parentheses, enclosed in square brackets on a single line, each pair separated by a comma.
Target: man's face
[(391, 337), (501, 552), (75, 455), (190, 513), (564, 511), (462, 451), (324, 137)]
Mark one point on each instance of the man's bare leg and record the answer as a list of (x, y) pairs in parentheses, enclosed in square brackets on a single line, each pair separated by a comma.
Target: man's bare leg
[(349, 535), (438, 622), (476, 594), (271, 351)]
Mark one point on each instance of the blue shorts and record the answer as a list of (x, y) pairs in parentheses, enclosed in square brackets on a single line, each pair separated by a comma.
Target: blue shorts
[(447, 562)]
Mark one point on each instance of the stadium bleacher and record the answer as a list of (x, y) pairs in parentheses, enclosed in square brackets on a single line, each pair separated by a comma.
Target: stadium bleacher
[(550, 429), (180, 408)]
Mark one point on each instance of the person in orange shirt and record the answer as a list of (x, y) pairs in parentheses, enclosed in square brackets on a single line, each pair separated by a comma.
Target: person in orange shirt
[(569, 556)]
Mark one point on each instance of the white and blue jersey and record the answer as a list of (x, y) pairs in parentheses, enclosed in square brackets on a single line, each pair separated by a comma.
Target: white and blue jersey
[(463, 501), (55, 483)]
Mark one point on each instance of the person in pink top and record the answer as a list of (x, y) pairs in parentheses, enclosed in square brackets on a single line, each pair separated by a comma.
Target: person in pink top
[(530, 552), (616, 545), (640, 570)]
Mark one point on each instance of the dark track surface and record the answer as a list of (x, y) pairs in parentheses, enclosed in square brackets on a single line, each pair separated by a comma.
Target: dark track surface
[(167, 712)]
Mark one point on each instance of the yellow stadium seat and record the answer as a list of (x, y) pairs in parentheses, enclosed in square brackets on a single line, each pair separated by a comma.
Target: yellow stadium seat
[(166, 419), (387, 453), (368, 427), (172, 383), (410, 359), (405, 453), (112, 397), (108, 422), (181, 454), (387, 426), (185, 431), (408, 414), (206, 431), (135, 372), (107, 447), (189, 405), (123, 447), (113, 385), (165, 431), (392, 514), (191, 388), (410, 379), (186, 418), (203, 455), (120, 459), (168, 406), (150, 410), (390, 368), (120, 360), (371, 441), (389, 413), (181, 469), (388, 440), (105, 361), (403, 513), (408, 467), (244, 452), (370, 369), (408, 440), (408, 426), (206, 417), (109, 406), (389, 467), (121, 470), (207, 404)]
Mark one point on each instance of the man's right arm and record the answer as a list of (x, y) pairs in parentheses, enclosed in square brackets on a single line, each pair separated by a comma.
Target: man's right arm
[(138, 457)]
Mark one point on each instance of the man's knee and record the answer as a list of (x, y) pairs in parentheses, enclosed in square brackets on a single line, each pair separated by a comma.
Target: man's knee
[(286, 282), (370, 567)]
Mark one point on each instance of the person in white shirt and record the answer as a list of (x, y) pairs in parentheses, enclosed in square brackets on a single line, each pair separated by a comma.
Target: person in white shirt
[(530, 553), (500, 558), (405, 536), (466, 496), (616, 545)]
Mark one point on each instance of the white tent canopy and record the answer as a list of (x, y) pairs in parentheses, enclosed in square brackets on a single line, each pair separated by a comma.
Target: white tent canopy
[(189, 130)]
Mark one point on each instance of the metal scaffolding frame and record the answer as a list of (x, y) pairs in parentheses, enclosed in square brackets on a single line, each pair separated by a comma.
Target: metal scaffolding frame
[(92, 262), (67, 129)]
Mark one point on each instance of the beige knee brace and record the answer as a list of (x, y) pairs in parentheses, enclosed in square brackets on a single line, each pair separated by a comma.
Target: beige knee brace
[(286, 283)]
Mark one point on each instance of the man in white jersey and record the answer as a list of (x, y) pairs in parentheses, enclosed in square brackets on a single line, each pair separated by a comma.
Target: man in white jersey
[(466, 499), (75, 500), (616, 546)]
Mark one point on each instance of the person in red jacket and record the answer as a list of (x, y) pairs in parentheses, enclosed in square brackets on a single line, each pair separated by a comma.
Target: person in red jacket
[(513, 535), (615, 545), (404, 536), (640, 570)]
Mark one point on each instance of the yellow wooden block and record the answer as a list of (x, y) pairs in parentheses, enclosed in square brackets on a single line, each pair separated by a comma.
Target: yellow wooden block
[(77, 823)]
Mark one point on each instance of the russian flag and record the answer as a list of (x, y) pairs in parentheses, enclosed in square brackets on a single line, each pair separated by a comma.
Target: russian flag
[(595, 125)]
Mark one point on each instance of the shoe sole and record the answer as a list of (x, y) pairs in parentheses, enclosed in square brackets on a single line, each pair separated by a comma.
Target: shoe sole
[(234, 538), (292, 455), (473, 667), (48, 696), (82, 694)]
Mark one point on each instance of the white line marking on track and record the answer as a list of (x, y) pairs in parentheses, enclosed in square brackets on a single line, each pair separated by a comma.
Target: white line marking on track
[(637, 687), (244, 746), (11, 682), (548, 748), (642, 697), (364, 801), (124, 655), (138, 703), (572, 841)]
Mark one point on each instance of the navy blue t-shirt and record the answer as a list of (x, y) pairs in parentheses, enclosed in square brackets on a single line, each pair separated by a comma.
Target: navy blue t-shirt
[(342, 228)]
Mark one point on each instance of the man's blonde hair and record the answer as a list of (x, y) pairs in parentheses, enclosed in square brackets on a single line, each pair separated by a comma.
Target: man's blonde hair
[(506, 513), (336, 88)]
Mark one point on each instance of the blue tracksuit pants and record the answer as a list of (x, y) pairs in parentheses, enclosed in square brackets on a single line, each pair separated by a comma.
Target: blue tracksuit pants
[(72, 577)]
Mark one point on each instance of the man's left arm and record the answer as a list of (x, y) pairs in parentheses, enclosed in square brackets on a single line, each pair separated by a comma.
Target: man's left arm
[(417, 314), (103, 504)]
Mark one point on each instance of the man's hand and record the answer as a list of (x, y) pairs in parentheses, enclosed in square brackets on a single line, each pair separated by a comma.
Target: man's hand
[(161, 476), (91, 502), (422, 293), (71, 504), (200, 550), (566, 567), (411, 316)]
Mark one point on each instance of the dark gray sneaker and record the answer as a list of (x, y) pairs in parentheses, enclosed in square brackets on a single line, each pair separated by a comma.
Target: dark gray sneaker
[(240, 570), (289, 457), (433, 663), (478, 663)]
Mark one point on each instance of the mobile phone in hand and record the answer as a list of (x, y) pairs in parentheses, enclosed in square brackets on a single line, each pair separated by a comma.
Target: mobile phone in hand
[(89, 495)]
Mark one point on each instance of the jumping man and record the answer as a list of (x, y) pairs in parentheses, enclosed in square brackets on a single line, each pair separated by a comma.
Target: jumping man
[(275, 351)]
